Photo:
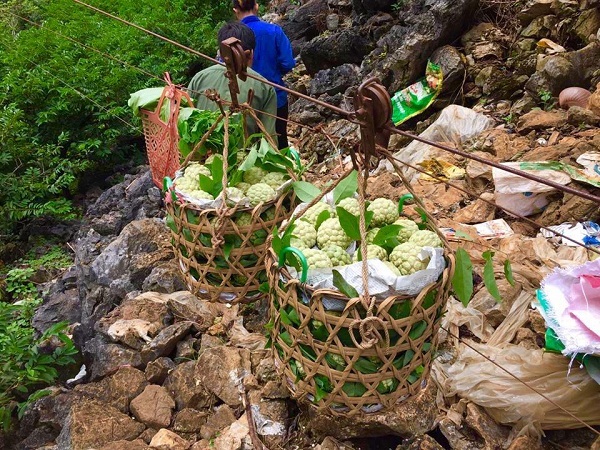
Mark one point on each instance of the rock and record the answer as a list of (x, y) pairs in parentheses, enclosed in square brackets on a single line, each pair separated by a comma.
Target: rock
[(432, 25), (523, 105), (91, 423), (540, 120), (222, 418), (207, 341), (270, 418), (202, 444), (117, 390), (189, 420), (452, 64), (525, 443), (60, 302), (236, 437), (424, 442), (594, 101), (138, 444), (345, 46), (37, 438), (372, 6), (122, 267), (477, 212), (167, 440), (153, 407), (305, 112), (222, 370), (540, 27), (186, 388), (526, 338), (578, 116), (587, 25), (186, 349), (415, 416), (334, 81), (185, 306), (333, 22), (165, 342), (497, 82), (304, 25), (107, 358), (485, 41), (147, 435), (157, 370), (165, 278), (533, 9)]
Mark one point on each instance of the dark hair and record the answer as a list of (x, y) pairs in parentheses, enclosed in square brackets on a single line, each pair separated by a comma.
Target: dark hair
[(240, 31), (244, 5)]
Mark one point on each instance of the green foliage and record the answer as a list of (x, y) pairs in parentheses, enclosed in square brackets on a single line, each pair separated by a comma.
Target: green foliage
[(547, 99), (63, 108)]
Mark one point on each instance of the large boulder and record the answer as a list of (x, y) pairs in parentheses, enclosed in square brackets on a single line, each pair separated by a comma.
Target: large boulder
[(327, 51), (334, 81), (401, 54), (303, 23)]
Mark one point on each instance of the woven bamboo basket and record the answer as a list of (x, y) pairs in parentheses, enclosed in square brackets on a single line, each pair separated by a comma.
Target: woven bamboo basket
[(225, 264), (319, 353)]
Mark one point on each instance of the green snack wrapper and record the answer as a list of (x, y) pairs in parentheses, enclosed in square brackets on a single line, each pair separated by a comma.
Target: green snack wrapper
[(416, 98)]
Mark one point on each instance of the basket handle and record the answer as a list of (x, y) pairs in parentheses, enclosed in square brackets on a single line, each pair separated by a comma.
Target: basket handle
[(301, 257)]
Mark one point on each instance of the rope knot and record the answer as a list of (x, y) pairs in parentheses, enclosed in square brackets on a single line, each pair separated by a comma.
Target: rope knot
[(370, 334)]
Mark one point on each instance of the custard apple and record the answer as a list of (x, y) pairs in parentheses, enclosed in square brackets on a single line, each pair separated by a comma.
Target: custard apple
[(269, 214), (243, 186), (200, 195), (425, 238), (195, 169), (408, 229), (406, 258), (317, 259), (338, 255), (299, 244), (331, 233), (244, 220), (186, 184), (211, 158), (254, 175), (305, 232), (312, 214), (351, 205), (371, 235), (393, 268), (275, 179), (373, 252), (384, 210), (260, 193), (241, 156)]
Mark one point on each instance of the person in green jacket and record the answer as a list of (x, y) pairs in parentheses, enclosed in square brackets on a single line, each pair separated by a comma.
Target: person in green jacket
[(264, 99)]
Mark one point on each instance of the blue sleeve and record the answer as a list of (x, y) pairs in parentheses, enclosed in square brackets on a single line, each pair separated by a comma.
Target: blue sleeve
[(285, 58)]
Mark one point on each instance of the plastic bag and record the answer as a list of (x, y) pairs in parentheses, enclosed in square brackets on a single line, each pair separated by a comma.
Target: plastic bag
[(455, 125), (510, 402), (522, 195)]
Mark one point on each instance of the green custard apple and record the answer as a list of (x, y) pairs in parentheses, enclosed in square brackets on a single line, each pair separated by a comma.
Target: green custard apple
[(317, 259), (312, 214), (331, 233), (373, 252), (306, 233), (351, 205), (275, 179), (260, 193), (406, 258), (385, 212), (337, 255), (254, 175), (408, 229), (425, 238)]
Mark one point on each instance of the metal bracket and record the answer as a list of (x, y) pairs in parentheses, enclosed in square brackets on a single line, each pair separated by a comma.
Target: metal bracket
[(374, 111), (236, 60)]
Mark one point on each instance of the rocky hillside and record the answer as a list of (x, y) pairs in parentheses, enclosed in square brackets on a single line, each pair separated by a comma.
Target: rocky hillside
[(162, 369)]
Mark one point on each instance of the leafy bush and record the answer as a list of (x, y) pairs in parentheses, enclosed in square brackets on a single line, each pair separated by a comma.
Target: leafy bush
[(63, 112)]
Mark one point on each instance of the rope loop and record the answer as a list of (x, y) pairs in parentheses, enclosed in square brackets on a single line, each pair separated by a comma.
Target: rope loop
[(369, 331)]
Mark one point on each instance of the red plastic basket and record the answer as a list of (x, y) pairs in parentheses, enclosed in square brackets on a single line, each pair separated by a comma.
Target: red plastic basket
[(162, 138)]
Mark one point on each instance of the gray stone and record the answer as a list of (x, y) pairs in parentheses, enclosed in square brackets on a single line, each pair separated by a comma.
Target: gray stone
[(165, 278), (334, 81), (303, 25), (328, 51), (587, 25), (186, 306), (533, 9), (452, 64), (222, 418), (540, 27), (432, 25), (578, 116), (166, 341), (105, 358)]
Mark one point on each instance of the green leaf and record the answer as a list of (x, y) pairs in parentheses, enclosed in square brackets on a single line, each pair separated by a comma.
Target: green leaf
[(346, 188), (353, 389), (322, 218), (343, 286), (265, 288), (349, 223), (306, 191), (417, 329), (365, 366), (386, 233), (227, 247), (250, 160), (285, 319), (489, 278), (508, 273), (462, 281)]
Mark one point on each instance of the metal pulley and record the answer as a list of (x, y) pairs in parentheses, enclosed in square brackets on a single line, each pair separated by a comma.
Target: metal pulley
[(236, 60)]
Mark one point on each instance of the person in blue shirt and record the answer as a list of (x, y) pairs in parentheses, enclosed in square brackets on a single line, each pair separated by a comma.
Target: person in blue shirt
[(273, 58)]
